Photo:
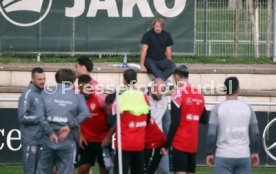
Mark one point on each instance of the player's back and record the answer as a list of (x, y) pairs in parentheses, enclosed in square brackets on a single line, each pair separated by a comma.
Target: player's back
[(61, 107), (191, 104), (134, 107), (233, 119)]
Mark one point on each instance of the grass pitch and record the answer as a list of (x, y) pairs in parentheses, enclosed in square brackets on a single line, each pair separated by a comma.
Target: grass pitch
[(18, 169)]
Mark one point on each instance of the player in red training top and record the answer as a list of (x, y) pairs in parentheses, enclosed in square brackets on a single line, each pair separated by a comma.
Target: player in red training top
[(94, 129), (187, 111), (84, 66), (134, 117)]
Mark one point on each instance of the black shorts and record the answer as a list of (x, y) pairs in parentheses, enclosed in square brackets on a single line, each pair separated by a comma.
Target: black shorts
[(93, 152), (183, 161), (131, 159), (152, 159)]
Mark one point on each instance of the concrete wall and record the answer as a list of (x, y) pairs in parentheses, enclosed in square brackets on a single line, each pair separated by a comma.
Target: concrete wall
[(257, 82)]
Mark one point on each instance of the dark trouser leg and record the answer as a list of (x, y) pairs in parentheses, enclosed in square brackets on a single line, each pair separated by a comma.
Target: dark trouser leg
[(126, 158), (154, 160), (152, 67), (46, 161), (100, 160), (137, 162), (30, 158), (65, 158), (183, 161), (167, 67)]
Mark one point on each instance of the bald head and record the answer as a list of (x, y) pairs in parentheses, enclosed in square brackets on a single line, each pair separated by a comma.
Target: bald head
[(158, 88), (158, 82)]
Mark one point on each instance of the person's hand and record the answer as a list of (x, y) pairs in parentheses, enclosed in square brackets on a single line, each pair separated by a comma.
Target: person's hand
[(63, 133), (210, 160), (106, 141), (163, 151), (255, 159), (54, 138), (143, 68), (82, 141)]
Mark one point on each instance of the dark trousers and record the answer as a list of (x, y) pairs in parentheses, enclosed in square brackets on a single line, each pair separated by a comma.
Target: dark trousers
[(152, 159), (162, 69), (131, 159)]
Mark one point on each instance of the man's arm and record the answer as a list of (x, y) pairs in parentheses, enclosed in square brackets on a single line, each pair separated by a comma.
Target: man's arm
[(211, 143), (111, 131), (175, 121), (204, 117), (169, 44), (82, 140), (144, 49), (254, 138), (43, 121), (166, 121), (169, 52), (212, 131), (212, 136), (104, 107), (24, 109), (211, 139), (148, 117), (111, 120), (107, 140), (254, 133), (83, 113)]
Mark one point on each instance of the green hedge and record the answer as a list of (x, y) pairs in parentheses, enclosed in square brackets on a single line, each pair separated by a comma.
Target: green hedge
[(135, 59)]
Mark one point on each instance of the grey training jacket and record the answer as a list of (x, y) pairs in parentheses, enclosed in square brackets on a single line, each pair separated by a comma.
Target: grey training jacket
[(31, 131), (63, 107)]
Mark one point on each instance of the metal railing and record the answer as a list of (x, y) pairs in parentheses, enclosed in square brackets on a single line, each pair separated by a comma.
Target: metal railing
[(207, 102), (9, 99)]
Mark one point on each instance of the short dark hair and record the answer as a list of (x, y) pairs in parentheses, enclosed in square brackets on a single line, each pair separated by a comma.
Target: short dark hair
[(130, 75), (182, 71), (65, 75), (84, 79), (37, 70), (86, 61), (231, 85)]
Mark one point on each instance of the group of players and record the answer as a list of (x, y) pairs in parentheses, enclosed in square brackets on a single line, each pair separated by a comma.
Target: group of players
[(70, 128)]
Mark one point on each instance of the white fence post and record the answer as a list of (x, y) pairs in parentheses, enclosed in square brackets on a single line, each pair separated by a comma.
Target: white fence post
[(119, 135)]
